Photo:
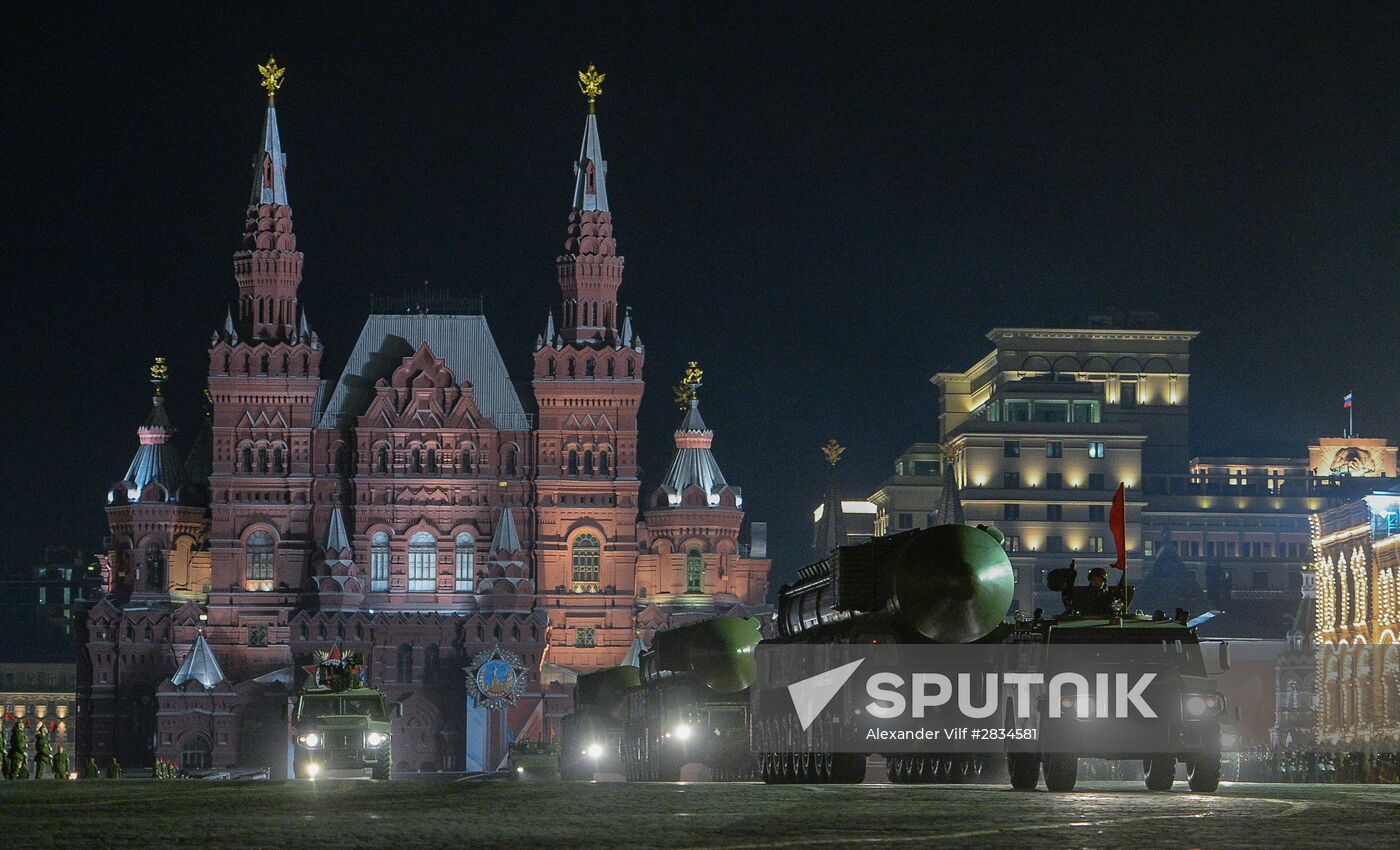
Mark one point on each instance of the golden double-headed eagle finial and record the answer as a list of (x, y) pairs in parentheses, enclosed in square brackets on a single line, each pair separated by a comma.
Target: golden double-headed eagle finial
[(590, 82), (686, 390), (833, 451), (160, 373), (271, 77)]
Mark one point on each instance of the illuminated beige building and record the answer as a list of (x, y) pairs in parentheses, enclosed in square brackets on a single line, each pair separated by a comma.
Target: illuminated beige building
[(1356, 559), (908, 499), (1046, 426)]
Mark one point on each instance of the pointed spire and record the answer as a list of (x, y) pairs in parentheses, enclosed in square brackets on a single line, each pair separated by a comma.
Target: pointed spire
[(633, 658), (831, 528), (506, 541), (269, 175), (199, 665), (304, 330), (336, 539), (590, 172), (230, 331), (549, 328), (627, 327), (156, 460)]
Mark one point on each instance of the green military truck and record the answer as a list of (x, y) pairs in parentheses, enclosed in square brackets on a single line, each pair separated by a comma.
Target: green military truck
[(1192, 732), (590, 738), (339, 725)]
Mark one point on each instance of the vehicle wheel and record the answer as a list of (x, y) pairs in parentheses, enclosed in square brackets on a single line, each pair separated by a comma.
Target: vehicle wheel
[(1024, 769), (383, 769), (1203, 773), (1159, 772), (1061, 771)]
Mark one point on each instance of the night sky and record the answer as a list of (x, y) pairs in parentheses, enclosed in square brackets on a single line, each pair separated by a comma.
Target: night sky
[(822, 207)]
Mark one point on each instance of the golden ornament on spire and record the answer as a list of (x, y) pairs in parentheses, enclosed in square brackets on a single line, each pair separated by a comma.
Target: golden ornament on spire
[(590, 82), (160, 373), (271, 77), (833, 451), (686, 390)]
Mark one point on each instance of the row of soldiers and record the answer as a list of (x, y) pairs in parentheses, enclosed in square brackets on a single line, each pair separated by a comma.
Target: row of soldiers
[(48, 760)]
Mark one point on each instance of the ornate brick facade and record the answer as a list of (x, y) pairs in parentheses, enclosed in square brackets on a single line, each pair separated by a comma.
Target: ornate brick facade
[(410, 509)]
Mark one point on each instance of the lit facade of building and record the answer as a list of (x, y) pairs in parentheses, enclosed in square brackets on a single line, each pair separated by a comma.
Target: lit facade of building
[(416, 508), (42, 692), (909, 498), (1356, 561)]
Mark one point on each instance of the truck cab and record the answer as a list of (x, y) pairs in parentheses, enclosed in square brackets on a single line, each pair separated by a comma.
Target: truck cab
[(341, 731)]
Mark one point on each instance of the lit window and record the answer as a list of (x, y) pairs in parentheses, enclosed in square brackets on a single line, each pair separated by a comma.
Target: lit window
[(1096, 544), (465, 557), (1012, 543), (422, 563), (379, 561), (586, 557), (1096, 449), (259, 551), (585, 637), (1054, 448), (694, 571)]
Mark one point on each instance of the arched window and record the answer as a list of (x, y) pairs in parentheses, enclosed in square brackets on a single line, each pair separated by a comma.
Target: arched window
[(612, 367), (603, 463), (588, 462), (259, 550), (422, 563), (341, 461), (196, 754), (262, 461), (264, 364), (551, 364), (379, 561), (573, 462), (466, 467), (631, 368), (383, 459), (510, 461), (588, 367), (430, 662), (586, 556), (465, 561), (155, 566), (277, 460), (694, 571), (417, 464), (432, 460), (404, 667), (247, 459), (571, 367)]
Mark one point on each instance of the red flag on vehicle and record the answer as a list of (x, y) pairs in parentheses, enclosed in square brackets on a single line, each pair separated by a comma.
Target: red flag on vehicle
[(1116, 525)]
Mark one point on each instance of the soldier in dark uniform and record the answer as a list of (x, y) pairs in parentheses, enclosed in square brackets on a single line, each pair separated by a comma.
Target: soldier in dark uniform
[(1096, 601)]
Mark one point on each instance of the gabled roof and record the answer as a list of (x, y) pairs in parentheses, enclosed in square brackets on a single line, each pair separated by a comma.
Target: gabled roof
[(199, 665), (465, 345)]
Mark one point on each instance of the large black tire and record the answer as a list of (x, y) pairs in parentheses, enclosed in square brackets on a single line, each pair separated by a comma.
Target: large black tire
[(1159, 772), (1061, 771), (384, 768), (1203, 773), (1024, 769)]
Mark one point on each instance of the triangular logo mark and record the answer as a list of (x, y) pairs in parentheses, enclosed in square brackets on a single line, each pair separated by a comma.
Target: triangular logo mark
[(811, 695)]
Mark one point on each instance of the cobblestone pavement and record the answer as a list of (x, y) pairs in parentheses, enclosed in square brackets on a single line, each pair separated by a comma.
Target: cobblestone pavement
[(507, 814)]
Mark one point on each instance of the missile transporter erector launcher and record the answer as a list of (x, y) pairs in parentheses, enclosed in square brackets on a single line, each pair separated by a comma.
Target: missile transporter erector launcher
[(590, 738), (945, 584), (693, 703)]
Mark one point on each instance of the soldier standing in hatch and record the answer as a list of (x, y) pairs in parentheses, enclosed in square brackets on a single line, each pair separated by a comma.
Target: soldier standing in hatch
[(1096, 600)]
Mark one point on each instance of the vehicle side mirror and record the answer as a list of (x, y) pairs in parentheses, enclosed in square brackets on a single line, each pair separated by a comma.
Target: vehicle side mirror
[(1224, 656)]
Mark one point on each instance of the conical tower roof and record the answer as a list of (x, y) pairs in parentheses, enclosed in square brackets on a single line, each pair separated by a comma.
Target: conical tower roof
[(693, 464), (505, 544), (199, 665), (156, 460)]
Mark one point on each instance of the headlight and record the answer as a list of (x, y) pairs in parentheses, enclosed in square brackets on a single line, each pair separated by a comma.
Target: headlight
[(1198, 706), (595, 751), (311, 740), (312, 770), (1229, 740), (374, 739), (683, 732)]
